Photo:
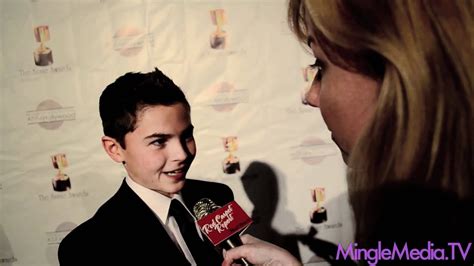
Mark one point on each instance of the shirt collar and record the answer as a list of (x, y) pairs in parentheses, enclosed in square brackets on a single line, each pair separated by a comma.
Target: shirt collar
[(157, 202)]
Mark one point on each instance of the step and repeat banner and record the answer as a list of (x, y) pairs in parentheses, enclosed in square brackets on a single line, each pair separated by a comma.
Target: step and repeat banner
[(243, 72)]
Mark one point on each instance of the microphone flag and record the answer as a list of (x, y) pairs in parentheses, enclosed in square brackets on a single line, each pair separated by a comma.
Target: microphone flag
[(224, 222)]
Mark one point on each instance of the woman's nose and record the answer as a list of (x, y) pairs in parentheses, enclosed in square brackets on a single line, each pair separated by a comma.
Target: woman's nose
[(311, 96)]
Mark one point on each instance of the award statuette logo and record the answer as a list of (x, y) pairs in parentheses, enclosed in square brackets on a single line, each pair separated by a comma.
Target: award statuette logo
[(219, 36), (43, 55), (308, 75), (231, 164), (61, 181), (319, 214)]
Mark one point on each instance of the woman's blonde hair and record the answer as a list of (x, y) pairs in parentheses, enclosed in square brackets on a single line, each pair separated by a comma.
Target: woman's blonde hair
[(422, 52)]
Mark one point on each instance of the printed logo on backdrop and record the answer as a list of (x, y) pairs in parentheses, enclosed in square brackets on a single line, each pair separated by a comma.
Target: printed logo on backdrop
[(7, 256), (129, 41), (61, 181), (7, 260), (54, 238), (223, 96), (319, 213), (42, 56), (218, 38), (231, 163), (50, 115), (308, 74), (313, 151)]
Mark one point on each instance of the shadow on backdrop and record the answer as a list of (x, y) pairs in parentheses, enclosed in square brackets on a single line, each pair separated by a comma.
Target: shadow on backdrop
[(6, 252), (323, 249), (261, 186)]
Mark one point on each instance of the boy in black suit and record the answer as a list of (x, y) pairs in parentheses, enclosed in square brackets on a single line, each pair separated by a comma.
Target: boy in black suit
[(147, 126)]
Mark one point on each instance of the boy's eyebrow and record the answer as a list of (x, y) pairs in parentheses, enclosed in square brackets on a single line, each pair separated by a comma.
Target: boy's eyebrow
[(158, 135), (190, 128)]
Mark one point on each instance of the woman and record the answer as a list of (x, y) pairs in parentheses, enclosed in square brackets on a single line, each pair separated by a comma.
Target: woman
[(395, 88)]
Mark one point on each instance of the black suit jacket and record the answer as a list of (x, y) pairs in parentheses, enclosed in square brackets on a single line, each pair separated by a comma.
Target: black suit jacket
[(124, 231)]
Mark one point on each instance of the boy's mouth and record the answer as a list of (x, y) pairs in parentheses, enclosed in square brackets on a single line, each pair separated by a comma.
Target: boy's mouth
[(174, 172)]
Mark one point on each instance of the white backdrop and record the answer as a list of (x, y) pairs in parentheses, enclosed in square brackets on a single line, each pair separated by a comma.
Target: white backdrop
[(245, 83)]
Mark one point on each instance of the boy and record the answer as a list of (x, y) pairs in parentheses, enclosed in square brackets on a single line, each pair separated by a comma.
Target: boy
[(147, 126)]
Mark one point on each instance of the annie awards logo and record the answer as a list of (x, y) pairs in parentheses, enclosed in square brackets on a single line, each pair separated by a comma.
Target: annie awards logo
[(313, 151), (231, 163), (43, 55), (54, 238), (218, 38), (223, 96), (129, 41), (61, 181), (50, 115)]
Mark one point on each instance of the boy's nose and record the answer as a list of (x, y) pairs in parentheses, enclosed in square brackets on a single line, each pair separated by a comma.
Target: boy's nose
[(180, 151)]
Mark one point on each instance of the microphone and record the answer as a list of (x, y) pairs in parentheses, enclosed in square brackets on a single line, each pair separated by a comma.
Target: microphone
[(222, 225)]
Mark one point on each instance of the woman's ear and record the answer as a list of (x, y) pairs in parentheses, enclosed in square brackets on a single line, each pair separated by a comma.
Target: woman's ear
[(113, 149)]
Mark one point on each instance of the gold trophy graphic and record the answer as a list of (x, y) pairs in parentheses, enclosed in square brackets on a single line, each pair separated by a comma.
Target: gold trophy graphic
[(61, 181), (319, 213), (308, 75), (231, 164), (219, 36), (43, 55)]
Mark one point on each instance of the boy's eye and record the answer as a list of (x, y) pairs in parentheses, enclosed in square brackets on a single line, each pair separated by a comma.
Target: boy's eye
[(158, 142), (188, 136)]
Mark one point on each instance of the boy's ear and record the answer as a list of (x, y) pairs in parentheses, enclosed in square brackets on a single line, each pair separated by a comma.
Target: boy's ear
[(113, 149)]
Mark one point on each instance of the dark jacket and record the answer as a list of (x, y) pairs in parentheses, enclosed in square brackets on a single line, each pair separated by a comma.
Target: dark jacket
[(124, 231)]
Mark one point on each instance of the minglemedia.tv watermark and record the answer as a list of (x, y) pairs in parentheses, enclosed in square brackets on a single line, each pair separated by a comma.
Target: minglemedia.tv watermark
[(453, 251)]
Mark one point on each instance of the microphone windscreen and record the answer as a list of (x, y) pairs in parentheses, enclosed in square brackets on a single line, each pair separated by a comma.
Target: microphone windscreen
[(204, 207)]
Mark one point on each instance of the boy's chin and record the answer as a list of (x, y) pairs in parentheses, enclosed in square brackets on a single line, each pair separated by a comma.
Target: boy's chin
[(173, 188)]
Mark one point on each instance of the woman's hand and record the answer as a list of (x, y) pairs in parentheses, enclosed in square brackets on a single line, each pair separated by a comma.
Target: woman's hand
[(259, 252)]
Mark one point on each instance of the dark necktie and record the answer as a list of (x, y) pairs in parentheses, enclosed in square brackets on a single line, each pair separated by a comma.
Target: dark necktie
[(202, 252)]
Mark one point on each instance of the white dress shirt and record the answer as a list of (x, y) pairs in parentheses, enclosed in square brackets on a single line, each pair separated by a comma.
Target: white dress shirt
[(160, 205)]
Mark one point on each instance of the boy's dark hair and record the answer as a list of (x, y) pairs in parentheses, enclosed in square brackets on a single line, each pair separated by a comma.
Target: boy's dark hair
[(123, 99)]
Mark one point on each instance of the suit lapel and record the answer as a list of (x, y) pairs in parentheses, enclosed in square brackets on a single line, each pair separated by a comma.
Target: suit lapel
[(147, 229)]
